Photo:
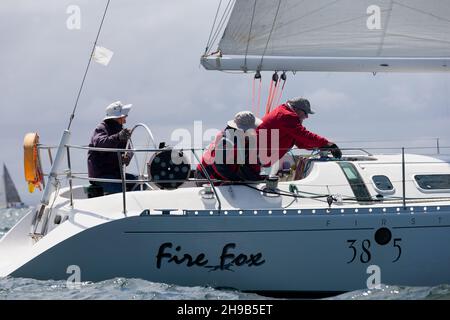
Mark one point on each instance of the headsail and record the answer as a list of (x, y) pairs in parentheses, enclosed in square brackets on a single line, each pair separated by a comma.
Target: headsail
[(12, 196), (335, 35), (3, 203)]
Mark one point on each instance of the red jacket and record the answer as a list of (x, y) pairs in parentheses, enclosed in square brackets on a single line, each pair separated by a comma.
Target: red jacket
[(227, 167), (291, 132)]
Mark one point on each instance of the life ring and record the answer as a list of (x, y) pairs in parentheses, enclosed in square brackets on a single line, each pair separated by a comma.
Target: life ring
[(32, 163)]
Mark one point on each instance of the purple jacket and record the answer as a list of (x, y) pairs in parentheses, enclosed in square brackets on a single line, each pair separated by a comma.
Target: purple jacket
[(105, 164)]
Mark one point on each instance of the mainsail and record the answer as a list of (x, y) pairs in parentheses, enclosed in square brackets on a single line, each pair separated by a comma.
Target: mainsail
[(9, 197), (335, 35)]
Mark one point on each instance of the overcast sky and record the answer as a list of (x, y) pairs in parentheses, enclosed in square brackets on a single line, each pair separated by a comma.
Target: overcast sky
[(157, 46)]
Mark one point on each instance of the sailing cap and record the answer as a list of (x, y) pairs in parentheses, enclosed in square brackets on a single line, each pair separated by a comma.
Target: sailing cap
[(244, 120), (117, 110), (300, 104)]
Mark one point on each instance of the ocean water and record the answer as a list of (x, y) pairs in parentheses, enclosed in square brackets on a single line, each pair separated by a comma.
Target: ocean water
[(138, 289)]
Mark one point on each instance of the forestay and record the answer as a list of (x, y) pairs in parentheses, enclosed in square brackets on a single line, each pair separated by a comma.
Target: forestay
[(335, 35)]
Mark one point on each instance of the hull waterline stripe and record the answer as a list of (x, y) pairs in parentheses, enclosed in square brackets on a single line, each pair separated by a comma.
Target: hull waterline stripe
[(297, 230), (251, 231), (416, 227)]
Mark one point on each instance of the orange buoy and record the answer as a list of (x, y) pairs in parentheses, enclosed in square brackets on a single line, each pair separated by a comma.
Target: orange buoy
[(32, 163)]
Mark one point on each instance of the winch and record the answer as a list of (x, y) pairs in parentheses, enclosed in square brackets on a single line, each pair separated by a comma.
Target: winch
[(169, 168)]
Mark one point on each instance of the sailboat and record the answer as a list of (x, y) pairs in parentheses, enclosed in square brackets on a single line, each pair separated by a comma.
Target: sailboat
[(339, 225), (9, 197)]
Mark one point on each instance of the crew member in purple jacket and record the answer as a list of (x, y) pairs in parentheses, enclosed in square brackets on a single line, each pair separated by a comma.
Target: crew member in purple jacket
[(110, 133)]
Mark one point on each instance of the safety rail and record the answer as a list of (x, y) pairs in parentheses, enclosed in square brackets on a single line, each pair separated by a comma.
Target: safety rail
[(71, 176), (83, 176)]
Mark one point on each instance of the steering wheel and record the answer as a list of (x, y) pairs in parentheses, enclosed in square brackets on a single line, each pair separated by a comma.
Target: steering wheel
[(149, 143)]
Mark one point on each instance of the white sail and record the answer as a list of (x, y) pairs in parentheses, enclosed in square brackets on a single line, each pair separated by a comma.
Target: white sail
[(3, 202), (335, 35), (9, 196)]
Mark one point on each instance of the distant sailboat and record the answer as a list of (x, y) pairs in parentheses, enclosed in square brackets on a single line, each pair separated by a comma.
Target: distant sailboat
[(9, 197)]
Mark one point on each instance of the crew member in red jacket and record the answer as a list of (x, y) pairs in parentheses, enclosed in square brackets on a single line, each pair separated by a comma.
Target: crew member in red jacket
[(233, 155), (282, 128)]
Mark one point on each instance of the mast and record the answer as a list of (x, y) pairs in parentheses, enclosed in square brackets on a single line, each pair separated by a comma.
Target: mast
[(53, 183)]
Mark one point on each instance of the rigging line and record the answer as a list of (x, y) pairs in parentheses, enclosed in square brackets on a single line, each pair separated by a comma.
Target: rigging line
[(275, 91), (290, 204), (72, 116), (259, 97), (212, 27), (222, 21), (253, 96), (277, 96), (383, 35), (384, 140), (270, 34), (249, 35), (283, 77), (269, 96), (284, 193)]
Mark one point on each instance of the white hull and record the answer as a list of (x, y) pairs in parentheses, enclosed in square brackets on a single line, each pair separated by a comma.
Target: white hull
[(301, 252), (252, 244)]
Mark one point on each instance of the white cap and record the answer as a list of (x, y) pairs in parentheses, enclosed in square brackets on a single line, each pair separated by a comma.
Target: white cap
[(244, 120), (117, 110)]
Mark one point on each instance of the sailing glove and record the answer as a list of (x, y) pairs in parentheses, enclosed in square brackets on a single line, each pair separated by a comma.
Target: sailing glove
[(124, 134), (335, 151)]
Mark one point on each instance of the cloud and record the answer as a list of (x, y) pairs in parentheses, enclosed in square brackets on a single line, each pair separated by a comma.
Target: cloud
[(329, 100)]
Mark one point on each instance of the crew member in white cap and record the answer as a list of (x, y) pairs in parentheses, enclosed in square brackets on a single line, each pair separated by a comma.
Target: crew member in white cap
[(110, 133), (232, 156)]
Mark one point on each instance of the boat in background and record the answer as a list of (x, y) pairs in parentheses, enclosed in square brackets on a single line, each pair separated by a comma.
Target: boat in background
[(9, 196)]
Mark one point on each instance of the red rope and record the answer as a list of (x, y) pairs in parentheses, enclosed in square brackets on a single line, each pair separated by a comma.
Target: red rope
[(272, 91), (253, 97), (281, 93), (269, 97), (259, 97), (275, 94)]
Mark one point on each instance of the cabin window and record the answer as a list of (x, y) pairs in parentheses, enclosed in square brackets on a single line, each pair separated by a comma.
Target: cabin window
[(355, 180), (433, 181), (382, 183)]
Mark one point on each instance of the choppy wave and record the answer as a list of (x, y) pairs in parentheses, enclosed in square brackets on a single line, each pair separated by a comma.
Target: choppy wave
[(387, 292), (114, 289), (129, 289), (9, 217)]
